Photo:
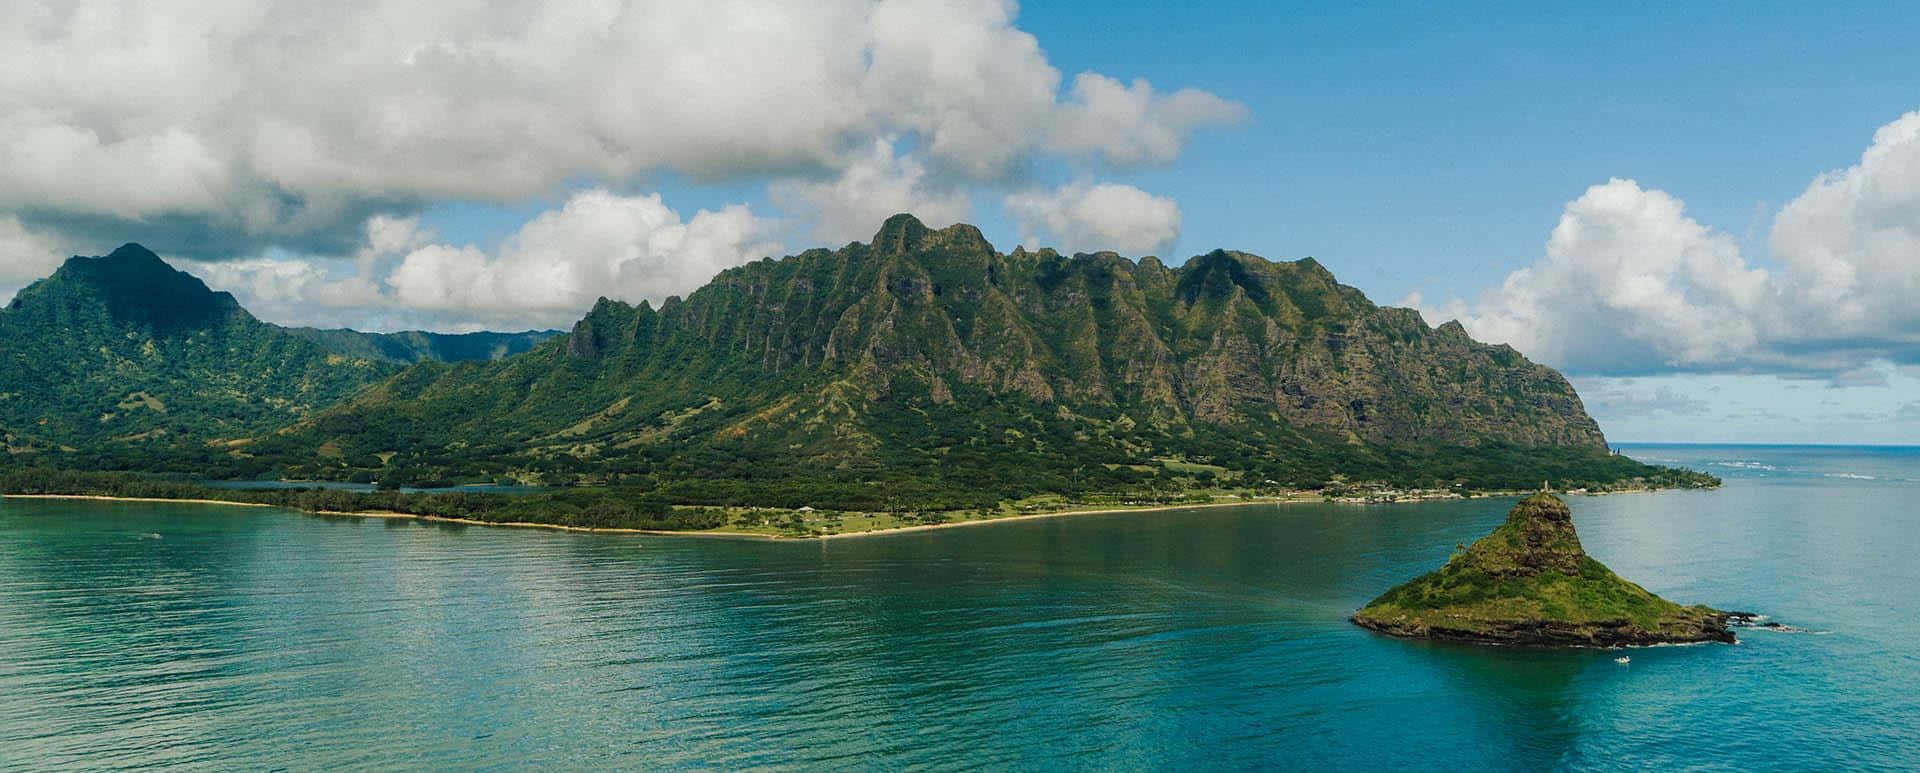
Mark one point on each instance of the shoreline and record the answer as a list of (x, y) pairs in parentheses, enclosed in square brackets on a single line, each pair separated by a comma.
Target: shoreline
[(1055, 514), (771, 537), (402, 516), (656, 532)]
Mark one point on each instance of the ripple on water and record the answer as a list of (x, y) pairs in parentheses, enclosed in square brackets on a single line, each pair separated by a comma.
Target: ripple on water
[(1208, 638)]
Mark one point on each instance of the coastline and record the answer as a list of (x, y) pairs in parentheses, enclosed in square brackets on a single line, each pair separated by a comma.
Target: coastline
[(104, 498), (405, 516), (1054, 514), (781, 537), (661, 532)]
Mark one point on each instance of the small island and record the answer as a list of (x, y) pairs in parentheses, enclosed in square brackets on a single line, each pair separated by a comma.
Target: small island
[(1529, 583)]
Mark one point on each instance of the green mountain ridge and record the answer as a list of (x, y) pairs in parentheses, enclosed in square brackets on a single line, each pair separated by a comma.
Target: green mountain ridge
[(926, 358)]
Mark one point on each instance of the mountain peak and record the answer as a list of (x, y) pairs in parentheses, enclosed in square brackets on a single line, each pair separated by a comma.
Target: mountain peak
[(135, 286), (133, 252), (1537, 536), (901, 233)]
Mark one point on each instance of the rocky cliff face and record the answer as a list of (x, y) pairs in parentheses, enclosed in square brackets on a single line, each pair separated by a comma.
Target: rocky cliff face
[(1223, 337), (925, 348), (1530, 583)]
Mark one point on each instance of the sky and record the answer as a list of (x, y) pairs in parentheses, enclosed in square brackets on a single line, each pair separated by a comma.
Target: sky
[(1708, 217)]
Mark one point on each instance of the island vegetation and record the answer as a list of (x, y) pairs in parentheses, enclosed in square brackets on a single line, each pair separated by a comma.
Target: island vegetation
[(1530, 582)]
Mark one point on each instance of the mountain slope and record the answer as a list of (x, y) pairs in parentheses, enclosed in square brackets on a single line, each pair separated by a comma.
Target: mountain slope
[(927, 355), (120, 352)]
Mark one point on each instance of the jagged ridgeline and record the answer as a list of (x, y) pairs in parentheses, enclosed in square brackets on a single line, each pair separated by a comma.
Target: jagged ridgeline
[(927, 358)]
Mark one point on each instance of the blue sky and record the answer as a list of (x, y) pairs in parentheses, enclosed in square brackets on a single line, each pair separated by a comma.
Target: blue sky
[(1423, 152), (1429, 148)]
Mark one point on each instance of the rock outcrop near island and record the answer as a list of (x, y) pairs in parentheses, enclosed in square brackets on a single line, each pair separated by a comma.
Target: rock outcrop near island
[(1530, 583)]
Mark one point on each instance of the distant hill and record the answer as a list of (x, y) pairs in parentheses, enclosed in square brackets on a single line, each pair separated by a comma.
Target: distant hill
[(121, 360), (122, 351), (413, 346), (926, 361)]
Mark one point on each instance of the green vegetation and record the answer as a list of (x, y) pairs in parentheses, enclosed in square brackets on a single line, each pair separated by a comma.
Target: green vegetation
[(118, 360), (941, 375), (921, 374), (122, 362), (1529, 582), (579, 508), (623, 507)]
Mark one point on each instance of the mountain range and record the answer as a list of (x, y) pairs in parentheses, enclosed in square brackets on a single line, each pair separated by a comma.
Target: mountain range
[(922, 363)]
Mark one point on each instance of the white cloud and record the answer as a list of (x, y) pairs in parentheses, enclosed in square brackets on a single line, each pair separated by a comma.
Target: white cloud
[(870, 189), (1612, 399), (1088, 218), (1132, 124), (298, 291), (1851, 242), (548, 273), (1630, 284), (598, 244), (229, 125), (25, 255)]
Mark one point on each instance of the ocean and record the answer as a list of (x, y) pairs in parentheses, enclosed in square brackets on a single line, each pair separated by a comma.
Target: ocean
[(144, 634)]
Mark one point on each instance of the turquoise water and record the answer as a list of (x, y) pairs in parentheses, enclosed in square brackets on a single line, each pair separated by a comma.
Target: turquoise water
[(245, 638)]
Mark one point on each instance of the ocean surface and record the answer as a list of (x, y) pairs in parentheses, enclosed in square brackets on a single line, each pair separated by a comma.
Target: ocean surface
[(137, 634)]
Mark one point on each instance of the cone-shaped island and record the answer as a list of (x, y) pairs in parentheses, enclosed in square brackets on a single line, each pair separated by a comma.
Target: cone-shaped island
[(1530, 583)]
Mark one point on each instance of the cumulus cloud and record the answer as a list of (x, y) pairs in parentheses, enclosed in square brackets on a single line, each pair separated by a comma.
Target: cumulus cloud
[(1087, 218), (547, 273), (25, 255), (215, 129), (1131, 123), (1630, 284), (1610, 398), (598, 244), (299, 291), (873, 187), (1851, 244)]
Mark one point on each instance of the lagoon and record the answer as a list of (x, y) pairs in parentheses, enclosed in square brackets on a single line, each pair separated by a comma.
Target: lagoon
[(147, 633)]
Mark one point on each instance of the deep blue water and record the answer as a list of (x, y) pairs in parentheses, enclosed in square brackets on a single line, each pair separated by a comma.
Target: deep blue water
[(223, 637)]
